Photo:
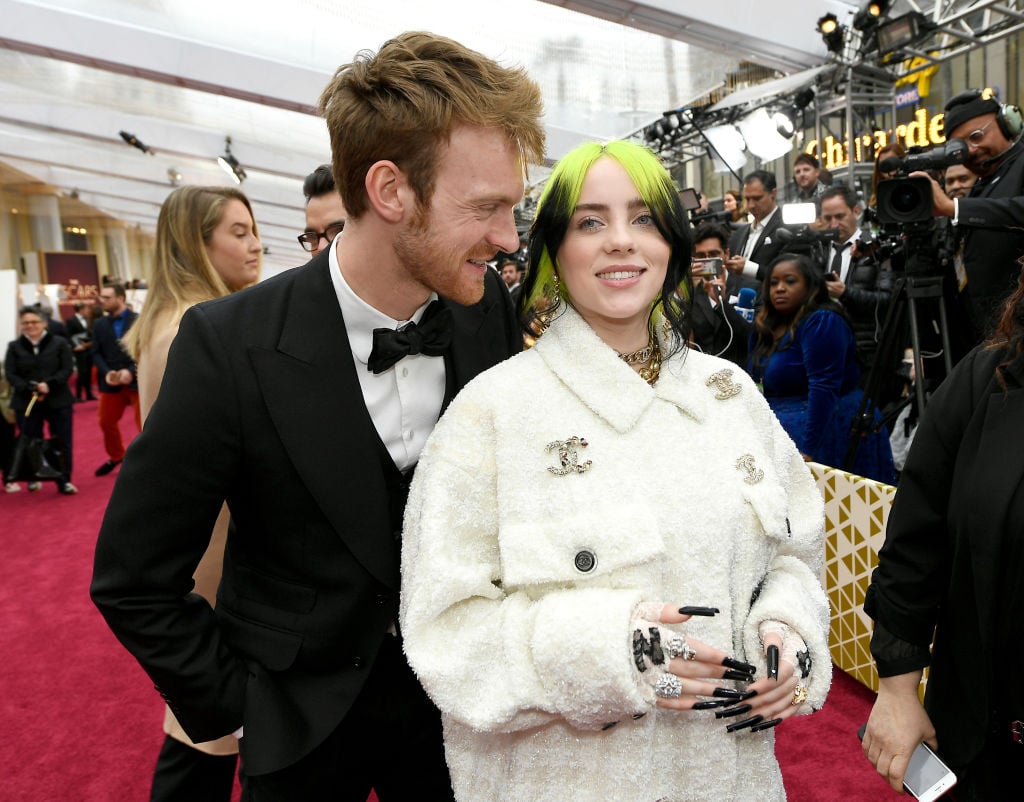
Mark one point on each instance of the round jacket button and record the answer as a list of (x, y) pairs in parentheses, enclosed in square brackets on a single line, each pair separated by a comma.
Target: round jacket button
[(585, 561), (357, 662)]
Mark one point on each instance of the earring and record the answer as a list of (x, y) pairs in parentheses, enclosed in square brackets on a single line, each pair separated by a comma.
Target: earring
[(556, 291)]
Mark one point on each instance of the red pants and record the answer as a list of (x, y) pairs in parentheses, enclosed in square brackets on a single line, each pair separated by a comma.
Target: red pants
[(112, 407)]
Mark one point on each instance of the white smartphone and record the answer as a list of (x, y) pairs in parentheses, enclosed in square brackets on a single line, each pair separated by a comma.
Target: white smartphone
[(927, 777)]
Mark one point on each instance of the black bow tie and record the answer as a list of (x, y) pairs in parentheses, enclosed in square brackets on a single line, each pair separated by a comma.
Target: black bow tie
[(431, 337)]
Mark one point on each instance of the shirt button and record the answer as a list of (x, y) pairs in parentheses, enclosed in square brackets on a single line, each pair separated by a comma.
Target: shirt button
[(357, 662), (585, 561), (405, 372)]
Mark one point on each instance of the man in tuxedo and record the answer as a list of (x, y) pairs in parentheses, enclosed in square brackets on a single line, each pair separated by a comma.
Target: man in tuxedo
[(80, 336), (754, 245), (304, 403), (718, 329)]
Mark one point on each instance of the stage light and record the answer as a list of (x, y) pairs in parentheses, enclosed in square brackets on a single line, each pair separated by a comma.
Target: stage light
[(762, 137), (726, 149), (785, 122), (832, 33), (900, 32), (230, 164), (135, 142), (869, 16)]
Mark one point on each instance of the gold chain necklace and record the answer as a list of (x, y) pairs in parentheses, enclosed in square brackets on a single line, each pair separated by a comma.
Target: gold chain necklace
[(650, 357)]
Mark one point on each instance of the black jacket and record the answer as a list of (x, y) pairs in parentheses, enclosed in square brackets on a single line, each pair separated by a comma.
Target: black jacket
[(992, 225), (53, 365), (768, 245), (107, 353), (952, 557), (866, 301), (261, 406)]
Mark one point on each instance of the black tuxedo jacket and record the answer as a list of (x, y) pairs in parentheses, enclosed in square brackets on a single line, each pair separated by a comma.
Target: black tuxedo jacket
[(107, 352), (768, 245), (261, 406)]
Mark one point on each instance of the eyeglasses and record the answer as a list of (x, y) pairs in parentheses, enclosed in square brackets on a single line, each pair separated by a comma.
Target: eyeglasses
[(310, 239), (976, 136)]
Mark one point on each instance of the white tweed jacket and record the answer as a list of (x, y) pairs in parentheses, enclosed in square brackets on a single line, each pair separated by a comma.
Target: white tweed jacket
[(519, 582)]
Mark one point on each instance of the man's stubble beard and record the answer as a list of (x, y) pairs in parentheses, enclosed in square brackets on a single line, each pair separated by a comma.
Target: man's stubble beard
[(425, 262)]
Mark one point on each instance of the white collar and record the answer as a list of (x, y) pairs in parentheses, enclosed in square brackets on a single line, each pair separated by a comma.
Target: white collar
[(609, 387), (361, 318)]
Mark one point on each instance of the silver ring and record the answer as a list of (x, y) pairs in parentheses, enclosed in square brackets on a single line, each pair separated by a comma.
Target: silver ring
[(668, 686), (678, 647)]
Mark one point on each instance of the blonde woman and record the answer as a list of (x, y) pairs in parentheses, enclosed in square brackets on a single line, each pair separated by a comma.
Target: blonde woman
[(207, 246)]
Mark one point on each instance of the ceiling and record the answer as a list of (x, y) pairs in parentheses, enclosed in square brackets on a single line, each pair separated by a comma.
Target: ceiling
[(183, 75)]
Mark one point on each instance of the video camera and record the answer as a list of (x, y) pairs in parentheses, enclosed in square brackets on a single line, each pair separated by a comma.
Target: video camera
[(905, 200)]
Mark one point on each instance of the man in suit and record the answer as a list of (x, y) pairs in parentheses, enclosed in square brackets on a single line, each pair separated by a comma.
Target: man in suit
[(754, 245), (853, 276), (80, 336), (115, 369), (325, 213), (292, 400), (718, 329)]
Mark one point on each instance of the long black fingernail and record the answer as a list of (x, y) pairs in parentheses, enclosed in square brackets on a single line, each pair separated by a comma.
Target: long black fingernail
[(711, 705), (728, 693), (698, 611), (742, 676), (747, 722), (739, 665), (766, 725), (729, 712), (772, 655), (746, 695)]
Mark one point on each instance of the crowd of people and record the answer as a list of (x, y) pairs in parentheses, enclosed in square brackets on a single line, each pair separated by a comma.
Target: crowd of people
[(367, 535)]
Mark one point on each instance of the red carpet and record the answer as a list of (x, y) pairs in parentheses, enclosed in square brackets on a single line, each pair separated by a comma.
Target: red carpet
[(82, 722)]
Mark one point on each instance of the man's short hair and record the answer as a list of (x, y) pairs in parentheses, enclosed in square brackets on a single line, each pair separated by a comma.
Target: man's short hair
[(118, 289), (712, 231), (807, 158), (402, 103), (848, 195), (767, 179), (319, 182)]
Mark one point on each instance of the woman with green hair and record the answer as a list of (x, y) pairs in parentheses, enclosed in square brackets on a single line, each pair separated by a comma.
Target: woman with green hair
[(611, 550)]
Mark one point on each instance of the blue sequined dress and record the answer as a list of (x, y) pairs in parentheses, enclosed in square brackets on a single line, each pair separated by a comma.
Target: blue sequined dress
[(810, 382)]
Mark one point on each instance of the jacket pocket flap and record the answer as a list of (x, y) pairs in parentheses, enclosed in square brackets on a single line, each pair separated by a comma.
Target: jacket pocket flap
[(587, 545), (281, 594), (273, 648)]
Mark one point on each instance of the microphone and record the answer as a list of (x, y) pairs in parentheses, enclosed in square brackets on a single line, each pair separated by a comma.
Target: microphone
[(745, 303)]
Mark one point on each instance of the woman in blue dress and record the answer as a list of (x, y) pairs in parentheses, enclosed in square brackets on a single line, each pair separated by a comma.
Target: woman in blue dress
[(803, 354)]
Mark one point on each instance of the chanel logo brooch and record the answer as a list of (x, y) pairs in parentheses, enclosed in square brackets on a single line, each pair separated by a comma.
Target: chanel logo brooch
[(746, 463), (568, 456), (723, 384)]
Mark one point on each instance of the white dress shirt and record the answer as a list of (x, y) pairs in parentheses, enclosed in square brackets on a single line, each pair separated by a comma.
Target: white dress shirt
[(405, 400)]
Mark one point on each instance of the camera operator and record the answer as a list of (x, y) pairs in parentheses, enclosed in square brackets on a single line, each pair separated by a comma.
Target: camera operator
[(990, 220), (852, 274), (717, 328)]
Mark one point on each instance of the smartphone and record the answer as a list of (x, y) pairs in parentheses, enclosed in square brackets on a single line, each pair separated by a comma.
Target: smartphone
[(706, 268), (927, 777)]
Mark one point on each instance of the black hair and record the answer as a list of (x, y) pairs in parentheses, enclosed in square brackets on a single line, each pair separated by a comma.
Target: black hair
[(807, 158), (319, 182), (848, 195), (768, 180), (712, 231)]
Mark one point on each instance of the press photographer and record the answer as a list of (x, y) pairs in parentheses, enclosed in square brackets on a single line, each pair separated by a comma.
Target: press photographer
[(990, 220)]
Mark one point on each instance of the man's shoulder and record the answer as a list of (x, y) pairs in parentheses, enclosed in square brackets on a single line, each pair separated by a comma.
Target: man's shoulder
[(260, 298)]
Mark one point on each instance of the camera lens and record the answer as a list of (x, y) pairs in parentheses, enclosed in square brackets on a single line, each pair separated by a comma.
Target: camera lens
[(906, 198)]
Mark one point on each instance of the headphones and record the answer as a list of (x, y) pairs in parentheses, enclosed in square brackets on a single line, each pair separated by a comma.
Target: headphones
[(1008, 116)]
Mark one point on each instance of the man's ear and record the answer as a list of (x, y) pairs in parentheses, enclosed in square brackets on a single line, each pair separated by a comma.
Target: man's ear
[(388, 191)]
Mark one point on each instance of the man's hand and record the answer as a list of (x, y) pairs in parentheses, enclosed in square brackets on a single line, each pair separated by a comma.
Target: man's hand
[(836, 286), (42, 389), (735, 264), (942, 204), (897, 724)]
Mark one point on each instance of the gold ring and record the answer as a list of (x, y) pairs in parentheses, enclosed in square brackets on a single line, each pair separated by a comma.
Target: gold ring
[(800, 694)]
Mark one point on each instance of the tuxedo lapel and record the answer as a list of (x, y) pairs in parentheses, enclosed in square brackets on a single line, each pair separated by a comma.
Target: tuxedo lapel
[(313, 396), (472, 349)]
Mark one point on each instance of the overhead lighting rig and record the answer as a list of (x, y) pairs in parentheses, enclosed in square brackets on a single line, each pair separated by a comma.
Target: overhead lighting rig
[(135, 142), (230, 164)]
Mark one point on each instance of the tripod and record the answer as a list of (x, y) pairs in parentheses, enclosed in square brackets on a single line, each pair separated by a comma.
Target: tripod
[(921, 281)]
